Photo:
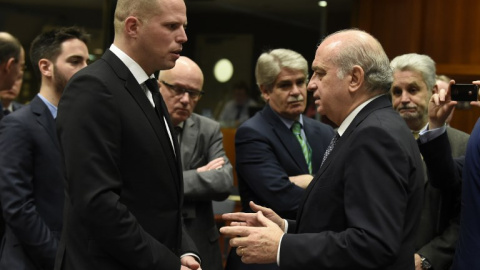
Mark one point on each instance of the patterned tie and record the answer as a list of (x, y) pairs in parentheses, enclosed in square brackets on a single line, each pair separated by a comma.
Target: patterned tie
[(330, 147), (307, 151)]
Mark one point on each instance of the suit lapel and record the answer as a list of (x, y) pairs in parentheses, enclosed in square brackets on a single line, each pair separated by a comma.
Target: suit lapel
[(158, 125), (285, 135), (378, 103), (44, 118), (189, 138)]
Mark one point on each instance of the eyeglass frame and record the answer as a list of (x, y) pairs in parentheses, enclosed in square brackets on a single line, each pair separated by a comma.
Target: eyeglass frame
[(180, 91)]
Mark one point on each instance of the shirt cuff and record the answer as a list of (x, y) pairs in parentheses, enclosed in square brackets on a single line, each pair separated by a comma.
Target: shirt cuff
[(427, 135), (194, 256), (279, 242)]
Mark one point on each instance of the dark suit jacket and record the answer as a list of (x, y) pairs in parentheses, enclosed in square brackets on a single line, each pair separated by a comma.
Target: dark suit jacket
[(31, 188), (124, 188), (446, 173), (362, 208), (438, 229), (267, 153), (202, 142)]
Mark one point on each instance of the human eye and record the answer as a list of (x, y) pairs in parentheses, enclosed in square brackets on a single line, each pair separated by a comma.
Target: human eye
[(396, 91)]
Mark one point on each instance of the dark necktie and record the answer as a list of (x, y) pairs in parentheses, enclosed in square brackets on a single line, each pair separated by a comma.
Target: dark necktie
[(152, 86), (6, 112), (307, 152), (330, 147), (178, 132)]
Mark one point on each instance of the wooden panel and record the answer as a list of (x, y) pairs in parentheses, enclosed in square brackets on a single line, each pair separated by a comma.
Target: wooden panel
[(229, 147), (445, 30)]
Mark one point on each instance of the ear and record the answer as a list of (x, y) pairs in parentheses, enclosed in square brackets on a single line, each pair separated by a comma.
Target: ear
[(9, 64), (131, 26), (46, 67), (357, 78), (435, 89), (265, 94)]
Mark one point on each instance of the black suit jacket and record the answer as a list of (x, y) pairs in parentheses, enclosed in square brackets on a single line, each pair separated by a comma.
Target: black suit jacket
[(267, 153), (31, 188), (124, 187), (362, 208)]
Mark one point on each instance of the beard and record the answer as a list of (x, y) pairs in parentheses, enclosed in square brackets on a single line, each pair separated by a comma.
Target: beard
[(60, 80)]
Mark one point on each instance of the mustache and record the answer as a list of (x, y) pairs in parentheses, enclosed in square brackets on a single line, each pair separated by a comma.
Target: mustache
[(406, 108), (295, 99)]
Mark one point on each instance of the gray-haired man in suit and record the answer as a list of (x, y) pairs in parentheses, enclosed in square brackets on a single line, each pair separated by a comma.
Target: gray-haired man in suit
[(437, 234), (207, 172)]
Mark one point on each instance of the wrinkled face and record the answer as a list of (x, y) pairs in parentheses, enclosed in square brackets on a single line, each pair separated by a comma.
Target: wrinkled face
[(73, 57), (289, 94), (410, 97), (180, 104), (160, 38), (12, 93), (329, 91)]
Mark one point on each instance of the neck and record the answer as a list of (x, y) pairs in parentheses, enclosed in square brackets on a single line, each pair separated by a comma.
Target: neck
[(51, 95)]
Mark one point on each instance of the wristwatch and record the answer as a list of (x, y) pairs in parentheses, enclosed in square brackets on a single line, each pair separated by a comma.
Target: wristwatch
[(425, 263)]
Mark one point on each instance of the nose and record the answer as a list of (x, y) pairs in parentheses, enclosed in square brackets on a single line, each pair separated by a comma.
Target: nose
[(182, 37), (295, 90), (185, 98), (405, 98), (311, 86)]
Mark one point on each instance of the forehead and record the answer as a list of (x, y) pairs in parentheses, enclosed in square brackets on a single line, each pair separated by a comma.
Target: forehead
[(408, 77), (73, 46), (324, 53), (287, 74)]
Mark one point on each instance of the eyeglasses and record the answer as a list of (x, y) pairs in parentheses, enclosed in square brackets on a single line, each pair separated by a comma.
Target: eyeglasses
[(179, 91)]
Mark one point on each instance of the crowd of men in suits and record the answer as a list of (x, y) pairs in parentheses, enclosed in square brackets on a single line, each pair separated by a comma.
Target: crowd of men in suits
[(107, 167)]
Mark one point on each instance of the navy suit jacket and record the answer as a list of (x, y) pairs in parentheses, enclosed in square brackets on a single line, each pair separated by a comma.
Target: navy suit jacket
[(443, 168), (124, 185), (361, 210), (267, 153), (31, 188)]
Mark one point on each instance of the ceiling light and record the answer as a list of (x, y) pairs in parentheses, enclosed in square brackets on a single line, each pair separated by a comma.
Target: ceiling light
[(322, 3)]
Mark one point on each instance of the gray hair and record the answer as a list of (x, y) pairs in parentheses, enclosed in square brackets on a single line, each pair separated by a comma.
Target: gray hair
[(420, 63), (365, 51), (270, 64)]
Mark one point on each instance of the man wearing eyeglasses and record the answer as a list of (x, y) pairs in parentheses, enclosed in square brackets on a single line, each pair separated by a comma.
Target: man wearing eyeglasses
[(207, 172)]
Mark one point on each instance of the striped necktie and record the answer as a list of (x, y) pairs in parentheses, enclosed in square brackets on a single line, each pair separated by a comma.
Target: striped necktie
[(307, 151)]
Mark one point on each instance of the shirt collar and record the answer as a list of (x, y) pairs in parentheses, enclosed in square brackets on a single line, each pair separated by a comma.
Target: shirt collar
[(135, 68), (343, 127), (52, 108)]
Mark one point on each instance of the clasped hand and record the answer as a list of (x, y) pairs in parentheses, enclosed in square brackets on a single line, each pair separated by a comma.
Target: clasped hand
[(256, 235)]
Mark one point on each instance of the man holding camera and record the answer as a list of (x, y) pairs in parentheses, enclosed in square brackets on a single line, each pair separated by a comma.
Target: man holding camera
[(412, 87)]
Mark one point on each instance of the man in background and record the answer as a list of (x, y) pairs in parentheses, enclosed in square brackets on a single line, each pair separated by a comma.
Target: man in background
[(207, 172), (12, 62), (7, 97), (237, 110), (31, 174), (413, 85)]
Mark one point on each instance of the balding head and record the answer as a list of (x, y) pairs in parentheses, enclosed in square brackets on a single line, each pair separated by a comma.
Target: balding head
[(12, 60), (186, 75)]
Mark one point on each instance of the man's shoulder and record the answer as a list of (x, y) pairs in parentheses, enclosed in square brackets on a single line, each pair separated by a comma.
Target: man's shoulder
[(203, 120), (458, 141)]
